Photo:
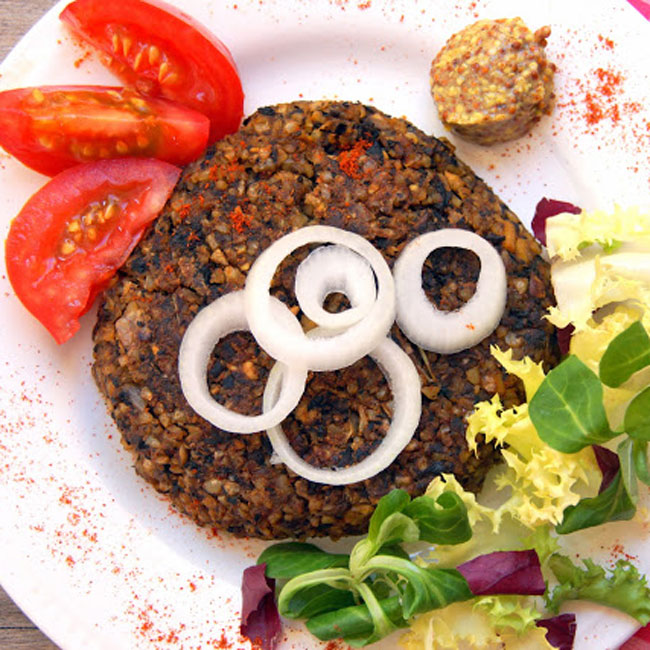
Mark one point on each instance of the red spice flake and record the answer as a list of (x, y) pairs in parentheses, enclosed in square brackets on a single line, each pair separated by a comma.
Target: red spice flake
[(66, 496), (597, 101), (470, 326), (78, 62), (607, 42), (349, 159), (618, 552), (69, 561), (239, 220), (227, 172), (184, 210), (364, 5), (601, 98), (148, 629)]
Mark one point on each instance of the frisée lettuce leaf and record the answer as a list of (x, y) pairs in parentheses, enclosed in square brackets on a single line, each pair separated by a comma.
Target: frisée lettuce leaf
[(598, 259)]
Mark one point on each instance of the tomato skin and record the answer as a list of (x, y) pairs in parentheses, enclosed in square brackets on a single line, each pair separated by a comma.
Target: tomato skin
[(161, 51), (75, 232), (51, 128)]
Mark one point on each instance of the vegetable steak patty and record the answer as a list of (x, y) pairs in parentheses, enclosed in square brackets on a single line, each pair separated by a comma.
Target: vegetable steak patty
[(289, 166)]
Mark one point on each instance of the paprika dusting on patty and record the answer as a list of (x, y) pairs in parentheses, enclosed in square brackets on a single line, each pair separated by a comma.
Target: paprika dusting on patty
[(491, 82)]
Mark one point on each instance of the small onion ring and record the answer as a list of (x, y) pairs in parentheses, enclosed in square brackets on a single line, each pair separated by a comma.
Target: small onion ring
[(322, 353), (221, 317), (449, 332), (404, 383), (330, 269)]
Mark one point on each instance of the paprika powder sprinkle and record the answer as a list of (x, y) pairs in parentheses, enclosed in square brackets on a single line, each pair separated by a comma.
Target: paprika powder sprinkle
[(239, 220), (598, 103), (349, 159)]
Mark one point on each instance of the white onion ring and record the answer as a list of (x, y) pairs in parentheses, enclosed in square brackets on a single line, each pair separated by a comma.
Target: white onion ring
[(440, 331), (330, 269), (404, 383), (321, 353), (221, 317)]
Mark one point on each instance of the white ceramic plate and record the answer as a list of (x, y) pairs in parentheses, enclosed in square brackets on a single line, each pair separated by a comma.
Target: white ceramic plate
[(90, 552)]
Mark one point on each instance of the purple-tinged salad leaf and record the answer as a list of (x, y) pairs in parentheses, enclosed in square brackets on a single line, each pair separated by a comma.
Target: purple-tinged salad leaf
[(608, 464), (504, 572), (564, 335), (560, 630), (549, 208), (616, 499), (260, 621)]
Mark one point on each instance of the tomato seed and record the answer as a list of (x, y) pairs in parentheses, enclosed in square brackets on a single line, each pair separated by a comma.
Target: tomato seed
[(163, 70), (138, 60), (154, 55), (127, 42), (46, 141), (67, 247)]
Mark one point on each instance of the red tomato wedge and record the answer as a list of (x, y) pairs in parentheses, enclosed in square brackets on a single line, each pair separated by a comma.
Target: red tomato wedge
[(160, 51), (75, 232), (51, 128)]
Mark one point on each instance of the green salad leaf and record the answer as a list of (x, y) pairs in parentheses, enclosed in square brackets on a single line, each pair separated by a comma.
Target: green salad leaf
[(637, 416), (567, 409), (623, 589), (289, 559), (625, 452), (355, 624), (627, 353), (612, 504), (640, 460), (440, 521), (312, 601)]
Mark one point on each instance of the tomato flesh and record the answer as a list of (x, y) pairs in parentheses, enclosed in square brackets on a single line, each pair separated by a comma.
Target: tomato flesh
[(51, 128), (160, 51), (74, 233)]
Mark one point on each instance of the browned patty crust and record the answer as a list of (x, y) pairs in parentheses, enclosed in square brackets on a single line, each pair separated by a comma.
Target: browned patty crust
[(289, 166)]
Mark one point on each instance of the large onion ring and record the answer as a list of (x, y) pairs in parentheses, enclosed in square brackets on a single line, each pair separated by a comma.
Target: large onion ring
[(404, 383), (330, 269), (221, 317), (320, 353), (440, 331)]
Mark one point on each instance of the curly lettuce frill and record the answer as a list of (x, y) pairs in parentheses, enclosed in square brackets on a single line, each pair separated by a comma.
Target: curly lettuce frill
[(471, 626), (598, 259), (543, 482)]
